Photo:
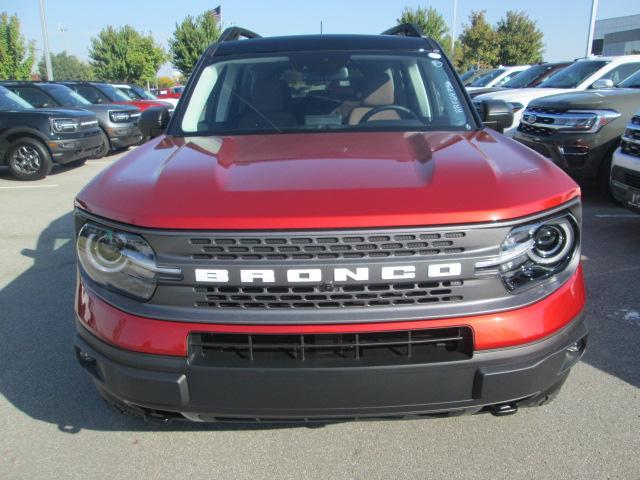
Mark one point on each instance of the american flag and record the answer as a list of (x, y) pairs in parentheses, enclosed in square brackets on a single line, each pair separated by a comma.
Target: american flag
[(217, 13)]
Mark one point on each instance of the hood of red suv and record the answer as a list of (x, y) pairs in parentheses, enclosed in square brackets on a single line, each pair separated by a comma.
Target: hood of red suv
[(326, 180)]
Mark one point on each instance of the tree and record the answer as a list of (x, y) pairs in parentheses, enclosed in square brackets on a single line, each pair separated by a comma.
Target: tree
[(16, 58), (125, 55), (479, 41), (520, 40), (431, 22), (191, 38), (165, 82), (66, 67)]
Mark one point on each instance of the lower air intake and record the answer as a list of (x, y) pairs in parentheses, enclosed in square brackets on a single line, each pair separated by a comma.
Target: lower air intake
[(332, 350)]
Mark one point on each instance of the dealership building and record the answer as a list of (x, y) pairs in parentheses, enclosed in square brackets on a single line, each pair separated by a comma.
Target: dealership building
[(617, 36)]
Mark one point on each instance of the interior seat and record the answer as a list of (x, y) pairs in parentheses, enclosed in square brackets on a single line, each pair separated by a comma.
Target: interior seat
[(378, 91), (271, 97)]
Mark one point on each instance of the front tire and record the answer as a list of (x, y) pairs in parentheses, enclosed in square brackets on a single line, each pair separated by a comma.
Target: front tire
[(28, 159), (106, 146)]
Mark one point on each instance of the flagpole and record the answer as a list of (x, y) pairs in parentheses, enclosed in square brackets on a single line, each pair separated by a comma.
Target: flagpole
[(45, 42), (453, 27), (592, 24)]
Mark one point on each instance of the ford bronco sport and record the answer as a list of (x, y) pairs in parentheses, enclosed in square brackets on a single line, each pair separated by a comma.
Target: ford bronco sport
[(326, 230)]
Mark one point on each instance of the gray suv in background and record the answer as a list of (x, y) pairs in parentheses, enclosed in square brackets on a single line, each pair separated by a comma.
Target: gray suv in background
[(118, 123)]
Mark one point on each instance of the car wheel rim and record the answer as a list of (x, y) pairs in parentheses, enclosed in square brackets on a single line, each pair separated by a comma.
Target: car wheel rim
[(26, 159)]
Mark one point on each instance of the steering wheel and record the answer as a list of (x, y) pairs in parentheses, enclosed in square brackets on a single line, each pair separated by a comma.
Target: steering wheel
[(383, 108)]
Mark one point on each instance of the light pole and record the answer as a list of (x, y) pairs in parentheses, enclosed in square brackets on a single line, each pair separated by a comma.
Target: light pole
[(45, 41), (453, 28), (592, 24)]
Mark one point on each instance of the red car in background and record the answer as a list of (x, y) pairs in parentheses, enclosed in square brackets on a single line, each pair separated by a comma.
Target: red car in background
[(171, 92), (98, 92), (135, 92)]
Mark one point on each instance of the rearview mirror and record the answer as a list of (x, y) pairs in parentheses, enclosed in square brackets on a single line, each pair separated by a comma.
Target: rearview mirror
[(153, 121), (496, 114), (602, 83)]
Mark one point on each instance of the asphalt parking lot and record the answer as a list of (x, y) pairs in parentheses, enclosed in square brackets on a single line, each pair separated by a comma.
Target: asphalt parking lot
[(54, 425)]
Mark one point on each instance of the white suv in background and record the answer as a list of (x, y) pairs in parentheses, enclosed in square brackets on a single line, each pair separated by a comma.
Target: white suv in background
[(497, 77), (625, 167), (593, 72)]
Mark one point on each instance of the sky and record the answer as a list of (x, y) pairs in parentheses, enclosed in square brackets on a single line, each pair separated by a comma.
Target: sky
[(72, 23)]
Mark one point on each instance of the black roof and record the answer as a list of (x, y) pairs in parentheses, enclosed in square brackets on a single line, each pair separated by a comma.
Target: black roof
[(324, 42)]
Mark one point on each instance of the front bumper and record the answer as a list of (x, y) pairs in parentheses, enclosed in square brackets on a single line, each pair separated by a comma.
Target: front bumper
[(625, 180), (169, 387), (123, 136), (580, 155), (77, 147)]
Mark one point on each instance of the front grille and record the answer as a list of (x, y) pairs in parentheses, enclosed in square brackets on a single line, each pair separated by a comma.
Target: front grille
[(534, 130), (339, 296), (635, 120), (630, 148), (544, 110), (632, 133), (632, 179), (327, 247), (335, 349)]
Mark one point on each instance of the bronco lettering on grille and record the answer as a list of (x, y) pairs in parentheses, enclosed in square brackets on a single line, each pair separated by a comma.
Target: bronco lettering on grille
[(317, 275)]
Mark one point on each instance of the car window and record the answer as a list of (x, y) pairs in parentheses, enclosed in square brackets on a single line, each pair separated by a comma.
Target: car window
[(65, 96), (621, 72), (526, 77), (307, 91), (11, 101), (90, 93), (34, 96), (631, 82), (574, 74), (484, 80)]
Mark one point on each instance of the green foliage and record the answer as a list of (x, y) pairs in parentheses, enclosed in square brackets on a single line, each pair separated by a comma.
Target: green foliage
[(16, 58), (431, 22), (191, 38), (66, 67), (479, 43), (520, 40), (165, 82), (125, 55)]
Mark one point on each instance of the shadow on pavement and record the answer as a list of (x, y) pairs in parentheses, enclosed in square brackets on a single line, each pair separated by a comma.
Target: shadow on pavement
[(40, 377)]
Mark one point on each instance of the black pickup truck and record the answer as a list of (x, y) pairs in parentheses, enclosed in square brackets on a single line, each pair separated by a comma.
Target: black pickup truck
[(32, 140), (579, 131)]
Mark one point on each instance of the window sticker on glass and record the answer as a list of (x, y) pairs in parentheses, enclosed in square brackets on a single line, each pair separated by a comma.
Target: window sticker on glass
[(434, 55), (436, 63)]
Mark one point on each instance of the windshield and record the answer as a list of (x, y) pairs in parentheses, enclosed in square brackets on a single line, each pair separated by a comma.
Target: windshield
[(527, 77), (11, 101), (574, 74), (486, 79), (632, 82), (65, 96), (143, 94), (114, 94), (310, 91)]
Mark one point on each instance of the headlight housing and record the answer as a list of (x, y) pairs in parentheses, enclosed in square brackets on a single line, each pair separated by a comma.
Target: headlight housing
[(120, 261), (586, 121), (119, 117), (534, 252), (65, 125)]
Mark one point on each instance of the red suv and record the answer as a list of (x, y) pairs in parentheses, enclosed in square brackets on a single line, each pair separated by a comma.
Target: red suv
[(327, 230)]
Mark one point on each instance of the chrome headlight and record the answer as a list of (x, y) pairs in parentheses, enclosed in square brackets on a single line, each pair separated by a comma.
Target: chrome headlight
[(119, 117), (119, 261), (586, 121), (534, 252), (64, 125)]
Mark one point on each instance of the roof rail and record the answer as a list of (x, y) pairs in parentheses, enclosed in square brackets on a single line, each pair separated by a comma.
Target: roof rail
[(405, 30), (234, 33)]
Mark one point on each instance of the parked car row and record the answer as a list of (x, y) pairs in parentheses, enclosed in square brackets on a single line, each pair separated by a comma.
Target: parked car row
[(42, 123), (577, 117)]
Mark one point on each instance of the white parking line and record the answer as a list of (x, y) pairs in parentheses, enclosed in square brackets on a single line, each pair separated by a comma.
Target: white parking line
[(618, 215), (19, 187)]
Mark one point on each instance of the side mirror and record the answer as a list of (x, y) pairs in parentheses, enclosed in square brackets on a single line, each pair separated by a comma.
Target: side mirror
[(153, 121), (602, 83), (496, 114)]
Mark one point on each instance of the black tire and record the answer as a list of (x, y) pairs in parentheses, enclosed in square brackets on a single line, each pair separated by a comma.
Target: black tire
[(604, 177), (28, 159), (105, 148)]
